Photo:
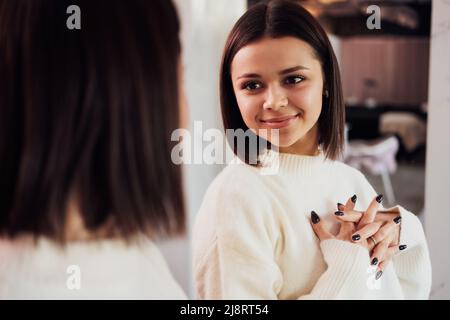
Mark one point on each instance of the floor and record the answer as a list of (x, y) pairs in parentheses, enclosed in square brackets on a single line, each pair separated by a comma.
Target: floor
[(408, 183)]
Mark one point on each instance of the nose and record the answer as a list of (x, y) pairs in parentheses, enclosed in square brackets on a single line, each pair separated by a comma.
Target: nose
[(275, 98)]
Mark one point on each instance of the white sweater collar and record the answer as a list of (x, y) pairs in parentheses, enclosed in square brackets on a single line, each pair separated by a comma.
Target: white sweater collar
[(292, 164)]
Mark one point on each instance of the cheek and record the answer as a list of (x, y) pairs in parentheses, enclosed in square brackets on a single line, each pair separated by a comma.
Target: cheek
[(184, 108), (249, 107), (309, 100)]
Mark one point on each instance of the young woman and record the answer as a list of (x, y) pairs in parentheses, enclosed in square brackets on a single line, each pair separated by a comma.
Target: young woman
[(86, 179), (253, 238)]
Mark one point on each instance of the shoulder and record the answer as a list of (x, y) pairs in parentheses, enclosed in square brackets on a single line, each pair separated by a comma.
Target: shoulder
[(343, 170), (236, 213), (238, 181), (237, 199)]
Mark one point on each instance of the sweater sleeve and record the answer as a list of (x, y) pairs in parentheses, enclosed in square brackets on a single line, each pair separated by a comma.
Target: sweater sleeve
[(233, 248), (348, 273), (240, 262), (413, 265)]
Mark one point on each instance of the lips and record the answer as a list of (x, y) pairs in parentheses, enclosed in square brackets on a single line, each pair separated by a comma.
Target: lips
[(279, 122), (279, 119)]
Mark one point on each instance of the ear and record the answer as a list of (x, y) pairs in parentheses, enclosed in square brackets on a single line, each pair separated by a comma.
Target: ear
[(325, 91)]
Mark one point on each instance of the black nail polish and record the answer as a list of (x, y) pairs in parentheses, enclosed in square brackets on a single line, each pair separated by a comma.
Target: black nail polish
[(379, 198), (403, 247), (356, 237), (339, 213), (339, 205), (374, 261), (398, 219), (354, 198), (314, 217), (378, 275)]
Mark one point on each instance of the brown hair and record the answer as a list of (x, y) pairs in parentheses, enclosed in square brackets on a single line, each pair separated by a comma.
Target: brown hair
[(280, 18), (89, 112)]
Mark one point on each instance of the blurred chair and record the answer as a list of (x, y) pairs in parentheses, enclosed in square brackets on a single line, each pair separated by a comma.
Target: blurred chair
[(376, 157), (408, 127)]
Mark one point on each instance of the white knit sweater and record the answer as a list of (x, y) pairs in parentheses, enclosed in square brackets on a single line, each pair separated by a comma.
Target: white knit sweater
[(107, 269), (253, 240)]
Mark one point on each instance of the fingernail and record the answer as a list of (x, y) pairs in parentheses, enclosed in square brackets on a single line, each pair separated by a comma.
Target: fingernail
[(379, 198), (314, 217), (339, 206), (374, 261), (398, 219), (356, 237), (403, 247), (379, 274), (354, 198), (339, 213)]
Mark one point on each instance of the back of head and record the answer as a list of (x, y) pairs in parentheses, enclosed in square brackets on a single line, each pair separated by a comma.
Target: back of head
[(87, 114)]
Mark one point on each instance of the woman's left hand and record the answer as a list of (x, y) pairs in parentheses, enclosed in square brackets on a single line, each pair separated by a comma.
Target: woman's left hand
[(383, 230)]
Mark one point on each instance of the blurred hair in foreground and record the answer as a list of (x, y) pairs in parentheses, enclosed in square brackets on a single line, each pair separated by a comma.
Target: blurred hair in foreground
[(87, 115)]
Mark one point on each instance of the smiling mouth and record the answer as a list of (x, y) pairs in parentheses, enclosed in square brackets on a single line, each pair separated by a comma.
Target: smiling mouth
[(279, 122), (280, 119)]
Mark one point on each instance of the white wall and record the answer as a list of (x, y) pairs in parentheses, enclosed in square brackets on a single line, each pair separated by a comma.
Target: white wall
[(437, 187), (336, 43), (205, 26)]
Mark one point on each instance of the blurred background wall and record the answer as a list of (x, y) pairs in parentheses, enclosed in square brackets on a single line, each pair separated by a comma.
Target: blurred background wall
[(437, 197), (205, 26)]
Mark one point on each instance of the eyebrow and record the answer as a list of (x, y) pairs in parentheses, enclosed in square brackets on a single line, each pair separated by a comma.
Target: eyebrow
[(282, 72)]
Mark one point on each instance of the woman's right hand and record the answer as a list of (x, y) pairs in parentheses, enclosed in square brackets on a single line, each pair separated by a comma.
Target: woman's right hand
[(345, 233), (364, 228)]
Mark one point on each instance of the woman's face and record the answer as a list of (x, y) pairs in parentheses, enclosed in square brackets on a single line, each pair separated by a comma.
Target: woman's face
[(278, 84)]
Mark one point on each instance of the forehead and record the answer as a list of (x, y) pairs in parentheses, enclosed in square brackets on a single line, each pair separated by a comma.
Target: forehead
[(274, 54)]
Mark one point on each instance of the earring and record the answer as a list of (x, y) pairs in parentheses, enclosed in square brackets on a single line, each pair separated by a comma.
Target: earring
[(326, 94)]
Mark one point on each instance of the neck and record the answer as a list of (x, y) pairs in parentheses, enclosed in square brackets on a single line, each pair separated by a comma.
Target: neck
[(75, 229)]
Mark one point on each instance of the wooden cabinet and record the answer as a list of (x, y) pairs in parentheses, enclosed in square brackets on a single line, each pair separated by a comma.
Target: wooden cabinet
[(393, 70)]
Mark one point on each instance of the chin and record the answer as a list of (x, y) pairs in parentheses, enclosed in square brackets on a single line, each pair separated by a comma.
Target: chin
[(284, 142), (287, 137)]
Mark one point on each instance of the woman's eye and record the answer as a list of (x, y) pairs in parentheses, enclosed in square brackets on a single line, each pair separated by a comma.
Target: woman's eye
[(294, 80), (252, 86)]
